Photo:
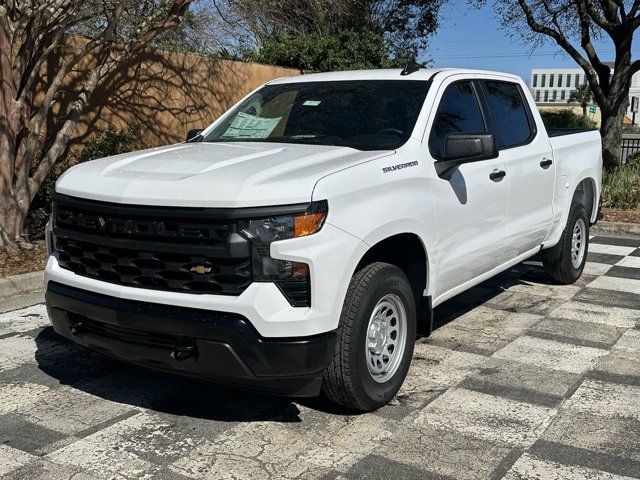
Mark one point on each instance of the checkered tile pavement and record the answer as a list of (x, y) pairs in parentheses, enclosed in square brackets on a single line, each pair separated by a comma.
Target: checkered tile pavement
[(521, 380)]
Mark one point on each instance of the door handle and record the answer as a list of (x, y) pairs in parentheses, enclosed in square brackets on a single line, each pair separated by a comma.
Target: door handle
[(497, 175), (546, 163)]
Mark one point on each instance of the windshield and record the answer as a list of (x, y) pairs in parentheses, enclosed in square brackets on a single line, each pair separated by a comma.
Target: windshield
[(366, 115)]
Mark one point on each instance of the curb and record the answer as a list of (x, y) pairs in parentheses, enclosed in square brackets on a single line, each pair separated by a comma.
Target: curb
[(616, 228), (17, 284)]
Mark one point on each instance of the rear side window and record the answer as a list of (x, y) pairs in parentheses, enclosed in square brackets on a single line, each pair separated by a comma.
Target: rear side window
[(458, 112), (510, 114)]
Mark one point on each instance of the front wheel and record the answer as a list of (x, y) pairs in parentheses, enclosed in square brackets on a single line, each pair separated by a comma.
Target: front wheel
[(564, 262), (375, 339)]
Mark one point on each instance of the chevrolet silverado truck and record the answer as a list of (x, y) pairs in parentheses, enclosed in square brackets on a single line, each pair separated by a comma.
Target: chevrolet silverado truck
[(299, 244)]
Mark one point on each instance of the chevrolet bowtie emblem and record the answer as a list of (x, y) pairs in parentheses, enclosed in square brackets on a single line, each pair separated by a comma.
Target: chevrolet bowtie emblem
[(200, 269)]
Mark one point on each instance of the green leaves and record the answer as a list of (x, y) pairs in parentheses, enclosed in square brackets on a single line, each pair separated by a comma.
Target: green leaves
[(349, 35), (345, 50)]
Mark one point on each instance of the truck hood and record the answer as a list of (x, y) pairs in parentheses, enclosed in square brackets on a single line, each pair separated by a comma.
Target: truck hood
[(211, 174)]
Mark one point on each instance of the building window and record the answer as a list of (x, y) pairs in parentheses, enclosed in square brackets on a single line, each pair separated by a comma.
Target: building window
[(577, 84), (553, 95), (562, 93), (535, 80), (544, 79), (546, 95), (551, 80), (560, 80), (568, 84), (537, 95)]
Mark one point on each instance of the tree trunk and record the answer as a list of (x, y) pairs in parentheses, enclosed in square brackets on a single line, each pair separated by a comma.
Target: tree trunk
[(611, 128), (584, 109), (9, 120)]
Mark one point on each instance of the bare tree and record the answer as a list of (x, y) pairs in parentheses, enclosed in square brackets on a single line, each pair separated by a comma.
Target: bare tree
[(92, 34), (574, 25)]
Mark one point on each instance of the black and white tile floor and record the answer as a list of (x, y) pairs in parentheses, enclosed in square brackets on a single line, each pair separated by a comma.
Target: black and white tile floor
[(522, 379)]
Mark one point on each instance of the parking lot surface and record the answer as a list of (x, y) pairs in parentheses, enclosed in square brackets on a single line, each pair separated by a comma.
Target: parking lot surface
[(522, 379)]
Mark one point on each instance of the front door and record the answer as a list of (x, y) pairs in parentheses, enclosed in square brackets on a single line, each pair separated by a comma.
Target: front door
[(470, 207)]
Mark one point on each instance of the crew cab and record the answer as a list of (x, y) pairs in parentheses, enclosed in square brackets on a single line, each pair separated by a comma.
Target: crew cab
[(300, 242)]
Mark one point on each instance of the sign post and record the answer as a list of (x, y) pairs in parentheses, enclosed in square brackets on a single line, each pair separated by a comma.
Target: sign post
[(634, 109)]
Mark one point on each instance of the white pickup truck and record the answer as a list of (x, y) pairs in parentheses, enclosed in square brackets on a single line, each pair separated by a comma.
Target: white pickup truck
[(300, 242)]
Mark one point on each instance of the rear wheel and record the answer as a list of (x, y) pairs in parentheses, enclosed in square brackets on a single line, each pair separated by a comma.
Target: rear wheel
[(565, 262), (375, 339)]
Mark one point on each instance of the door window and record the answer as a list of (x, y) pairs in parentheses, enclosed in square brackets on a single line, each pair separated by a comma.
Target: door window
[(510, 114), (458, 112)]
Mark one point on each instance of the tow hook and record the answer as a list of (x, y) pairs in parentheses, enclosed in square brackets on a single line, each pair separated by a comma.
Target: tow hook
[(76, 328), (183, 352)]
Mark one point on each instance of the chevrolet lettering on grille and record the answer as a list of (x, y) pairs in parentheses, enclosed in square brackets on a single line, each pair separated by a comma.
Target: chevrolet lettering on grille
[(124, 226)]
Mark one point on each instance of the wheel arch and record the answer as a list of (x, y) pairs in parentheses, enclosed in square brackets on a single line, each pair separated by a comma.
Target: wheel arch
[(585, 193), (407, 251)]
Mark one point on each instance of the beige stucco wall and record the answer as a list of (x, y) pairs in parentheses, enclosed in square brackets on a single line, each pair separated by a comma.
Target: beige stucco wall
[(166, 93)]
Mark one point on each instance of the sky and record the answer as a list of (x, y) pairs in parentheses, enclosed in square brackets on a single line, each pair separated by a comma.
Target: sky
[(473, 38)]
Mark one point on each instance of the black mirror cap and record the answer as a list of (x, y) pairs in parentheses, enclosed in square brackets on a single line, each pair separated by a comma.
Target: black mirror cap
[(470, 146), (193, 133), (465, 148)]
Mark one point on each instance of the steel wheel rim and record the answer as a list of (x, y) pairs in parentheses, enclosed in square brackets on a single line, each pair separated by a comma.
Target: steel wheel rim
[(386, 337), (578, 243)]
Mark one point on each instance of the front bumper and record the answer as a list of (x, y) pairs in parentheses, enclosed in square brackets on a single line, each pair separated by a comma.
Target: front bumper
[(216, 346)]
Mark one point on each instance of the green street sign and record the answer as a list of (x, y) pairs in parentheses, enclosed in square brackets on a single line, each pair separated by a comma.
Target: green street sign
[(592, 109)]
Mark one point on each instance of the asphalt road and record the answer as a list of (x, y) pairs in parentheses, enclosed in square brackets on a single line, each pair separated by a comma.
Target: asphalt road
[(521, 380)]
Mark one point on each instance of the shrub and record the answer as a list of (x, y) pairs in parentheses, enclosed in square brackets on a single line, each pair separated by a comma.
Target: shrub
[(565, 119), (110, 142), (621, 187), (633, 159), (105, 143), (610, 161)]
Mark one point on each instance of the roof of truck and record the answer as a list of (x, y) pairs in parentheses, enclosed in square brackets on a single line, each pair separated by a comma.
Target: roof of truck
[(382, 74)]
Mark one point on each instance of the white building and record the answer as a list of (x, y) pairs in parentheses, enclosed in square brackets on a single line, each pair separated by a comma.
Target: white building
[(554, 85)]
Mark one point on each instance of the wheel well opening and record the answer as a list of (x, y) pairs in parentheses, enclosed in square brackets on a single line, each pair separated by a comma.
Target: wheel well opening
[(585, 195), (406, 252)]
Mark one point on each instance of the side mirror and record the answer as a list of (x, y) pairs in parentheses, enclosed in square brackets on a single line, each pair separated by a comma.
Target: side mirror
[(193, 133), (465, 148)]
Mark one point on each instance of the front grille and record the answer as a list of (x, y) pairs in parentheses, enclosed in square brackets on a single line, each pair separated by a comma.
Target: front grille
[(171, 249)]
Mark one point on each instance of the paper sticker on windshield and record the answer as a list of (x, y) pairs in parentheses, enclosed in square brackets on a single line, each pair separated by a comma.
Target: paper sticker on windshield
[(251, 126), (311, 103)]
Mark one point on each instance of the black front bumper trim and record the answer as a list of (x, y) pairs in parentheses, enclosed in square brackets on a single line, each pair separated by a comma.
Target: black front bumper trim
[(216, 346)]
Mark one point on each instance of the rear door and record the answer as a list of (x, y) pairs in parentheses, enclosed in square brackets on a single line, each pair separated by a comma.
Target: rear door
[(470, 208), (528, 157)]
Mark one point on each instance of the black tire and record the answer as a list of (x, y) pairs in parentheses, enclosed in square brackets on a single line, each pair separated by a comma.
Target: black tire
[(557, 260), (347, 380)]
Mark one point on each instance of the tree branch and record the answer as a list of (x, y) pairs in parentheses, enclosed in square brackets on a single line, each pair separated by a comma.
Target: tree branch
[(64, 134), (564, 43), (598, 19)]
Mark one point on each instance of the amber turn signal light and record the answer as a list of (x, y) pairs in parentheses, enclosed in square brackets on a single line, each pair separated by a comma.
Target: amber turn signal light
[(307, 224)]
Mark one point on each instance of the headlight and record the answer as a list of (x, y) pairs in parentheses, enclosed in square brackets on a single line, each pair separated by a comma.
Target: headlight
[(291, 277), (268, 230)]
